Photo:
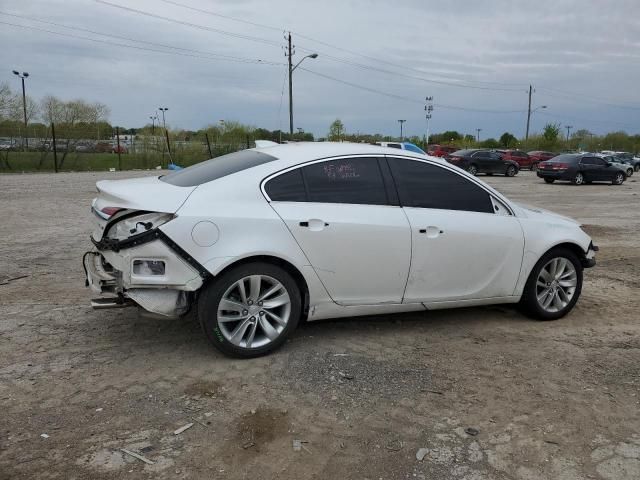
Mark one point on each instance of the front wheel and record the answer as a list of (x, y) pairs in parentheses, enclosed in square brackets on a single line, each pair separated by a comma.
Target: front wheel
[(618, 179), (250, 310), (554, 285), (511, 171), (549, 180), (578, 179)]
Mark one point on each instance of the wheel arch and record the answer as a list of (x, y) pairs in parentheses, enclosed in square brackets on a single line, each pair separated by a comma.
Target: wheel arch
[(272, 260)]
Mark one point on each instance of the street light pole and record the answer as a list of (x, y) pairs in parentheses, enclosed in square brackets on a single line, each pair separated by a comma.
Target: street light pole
[(153, 124), (163, 109), (478, 130), (24, 106), (289, 54), (401, 122), (568, 127)]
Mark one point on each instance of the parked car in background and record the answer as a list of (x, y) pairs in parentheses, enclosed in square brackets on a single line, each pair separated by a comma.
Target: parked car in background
[(629, 158), (6, 145), (345, 229), (618, 162), (441, 150), (538, 156), (521, 158), (580, 168), (119, 149), (477, 161), (402, 146)]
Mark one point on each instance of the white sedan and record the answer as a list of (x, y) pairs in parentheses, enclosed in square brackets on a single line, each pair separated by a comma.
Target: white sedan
[(259, 240)]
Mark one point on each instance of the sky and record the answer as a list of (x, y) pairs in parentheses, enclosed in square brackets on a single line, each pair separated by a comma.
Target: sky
[(377, 61)]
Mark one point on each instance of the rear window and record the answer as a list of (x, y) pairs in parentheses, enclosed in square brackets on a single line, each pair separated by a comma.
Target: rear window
[(216, 168), (567, 158)]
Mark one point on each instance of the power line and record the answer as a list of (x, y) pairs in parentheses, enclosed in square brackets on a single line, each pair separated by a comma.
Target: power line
[(227, 17), (117, 44), (403, 98), (584, 98), (413, 77), (352, 52), (586, 120), (228, 57), (189, 24)]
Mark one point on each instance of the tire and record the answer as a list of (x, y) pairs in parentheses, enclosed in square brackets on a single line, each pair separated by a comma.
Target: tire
[(534, 307), (629, 172), (473, 170), (618, 179), (511, 171), (636, 168), (578, 179), (549, 180), (268, 334), (534, 167)]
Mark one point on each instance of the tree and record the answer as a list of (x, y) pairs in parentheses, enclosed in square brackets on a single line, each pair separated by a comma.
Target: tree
[(336, 130), (6, 96), (490, 143), (551, 132), (508, 140)]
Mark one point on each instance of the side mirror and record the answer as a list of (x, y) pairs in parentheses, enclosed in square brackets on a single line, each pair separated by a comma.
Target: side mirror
[(608, 164)]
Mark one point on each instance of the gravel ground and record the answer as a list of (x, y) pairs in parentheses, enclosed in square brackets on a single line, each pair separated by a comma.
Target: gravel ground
[(488, 393)]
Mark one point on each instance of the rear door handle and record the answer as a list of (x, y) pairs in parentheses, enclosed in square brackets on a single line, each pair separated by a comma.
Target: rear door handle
[(314, 224), (431, 231)]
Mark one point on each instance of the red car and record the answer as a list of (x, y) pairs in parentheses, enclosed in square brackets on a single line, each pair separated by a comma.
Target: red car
[(538, 156), (521, 158), (440, 150)]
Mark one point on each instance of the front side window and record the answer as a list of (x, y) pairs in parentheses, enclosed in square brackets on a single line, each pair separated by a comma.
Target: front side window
[(346, 180), (424, 185)]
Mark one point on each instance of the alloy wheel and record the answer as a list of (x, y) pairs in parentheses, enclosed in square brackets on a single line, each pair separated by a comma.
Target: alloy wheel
[(556, 284), (473, 170), (254, 311), (619, 178), (579, 179)]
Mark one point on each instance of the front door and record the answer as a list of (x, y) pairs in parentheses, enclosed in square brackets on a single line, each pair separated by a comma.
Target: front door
[(358, 243), (461, 248)]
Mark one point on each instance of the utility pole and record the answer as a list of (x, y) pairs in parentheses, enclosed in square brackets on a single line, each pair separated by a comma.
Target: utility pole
[(568, 127), (428, 108), (401, 122), (24, 107), (526, 135), (478, 130), (153, 125), (289, 55)]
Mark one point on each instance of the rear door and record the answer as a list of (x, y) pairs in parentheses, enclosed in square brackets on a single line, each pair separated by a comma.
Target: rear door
[(593, 168), (344, 214), (463, 247), (481, 160)]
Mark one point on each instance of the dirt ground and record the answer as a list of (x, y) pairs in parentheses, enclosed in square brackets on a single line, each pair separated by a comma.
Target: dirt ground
[(555, 400)]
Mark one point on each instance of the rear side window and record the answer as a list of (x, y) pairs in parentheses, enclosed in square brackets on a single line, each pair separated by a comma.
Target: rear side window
[(345, 180), (216, 168), (429, 186), (288, 187)]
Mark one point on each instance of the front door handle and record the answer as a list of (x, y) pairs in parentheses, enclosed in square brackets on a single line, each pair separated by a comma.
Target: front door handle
[(431, 231), (314, 224)]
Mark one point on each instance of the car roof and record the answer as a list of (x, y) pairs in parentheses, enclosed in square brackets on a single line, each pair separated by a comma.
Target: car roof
[(295, 153)]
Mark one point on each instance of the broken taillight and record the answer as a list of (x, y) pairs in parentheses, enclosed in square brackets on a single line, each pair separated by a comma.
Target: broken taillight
[(110, 211)]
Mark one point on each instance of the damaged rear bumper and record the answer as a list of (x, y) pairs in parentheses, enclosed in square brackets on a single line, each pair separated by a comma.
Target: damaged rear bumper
[(118, 268)]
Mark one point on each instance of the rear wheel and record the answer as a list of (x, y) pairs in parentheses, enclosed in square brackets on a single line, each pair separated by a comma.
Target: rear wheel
[(549, 180), (534, 167), (629, 171), (636, 168), (250, 310), (578, 179), (511, 171), (473, 170), (554, 285), (618, 179)]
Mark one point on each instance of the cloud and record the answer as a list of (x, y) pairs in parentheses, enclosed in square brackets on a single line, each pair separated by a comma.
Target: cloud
[(587, 49)]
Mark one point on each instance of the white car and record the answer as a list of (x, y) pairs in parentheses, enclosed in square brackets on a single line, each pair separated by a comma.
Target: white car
[(261, 239)]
